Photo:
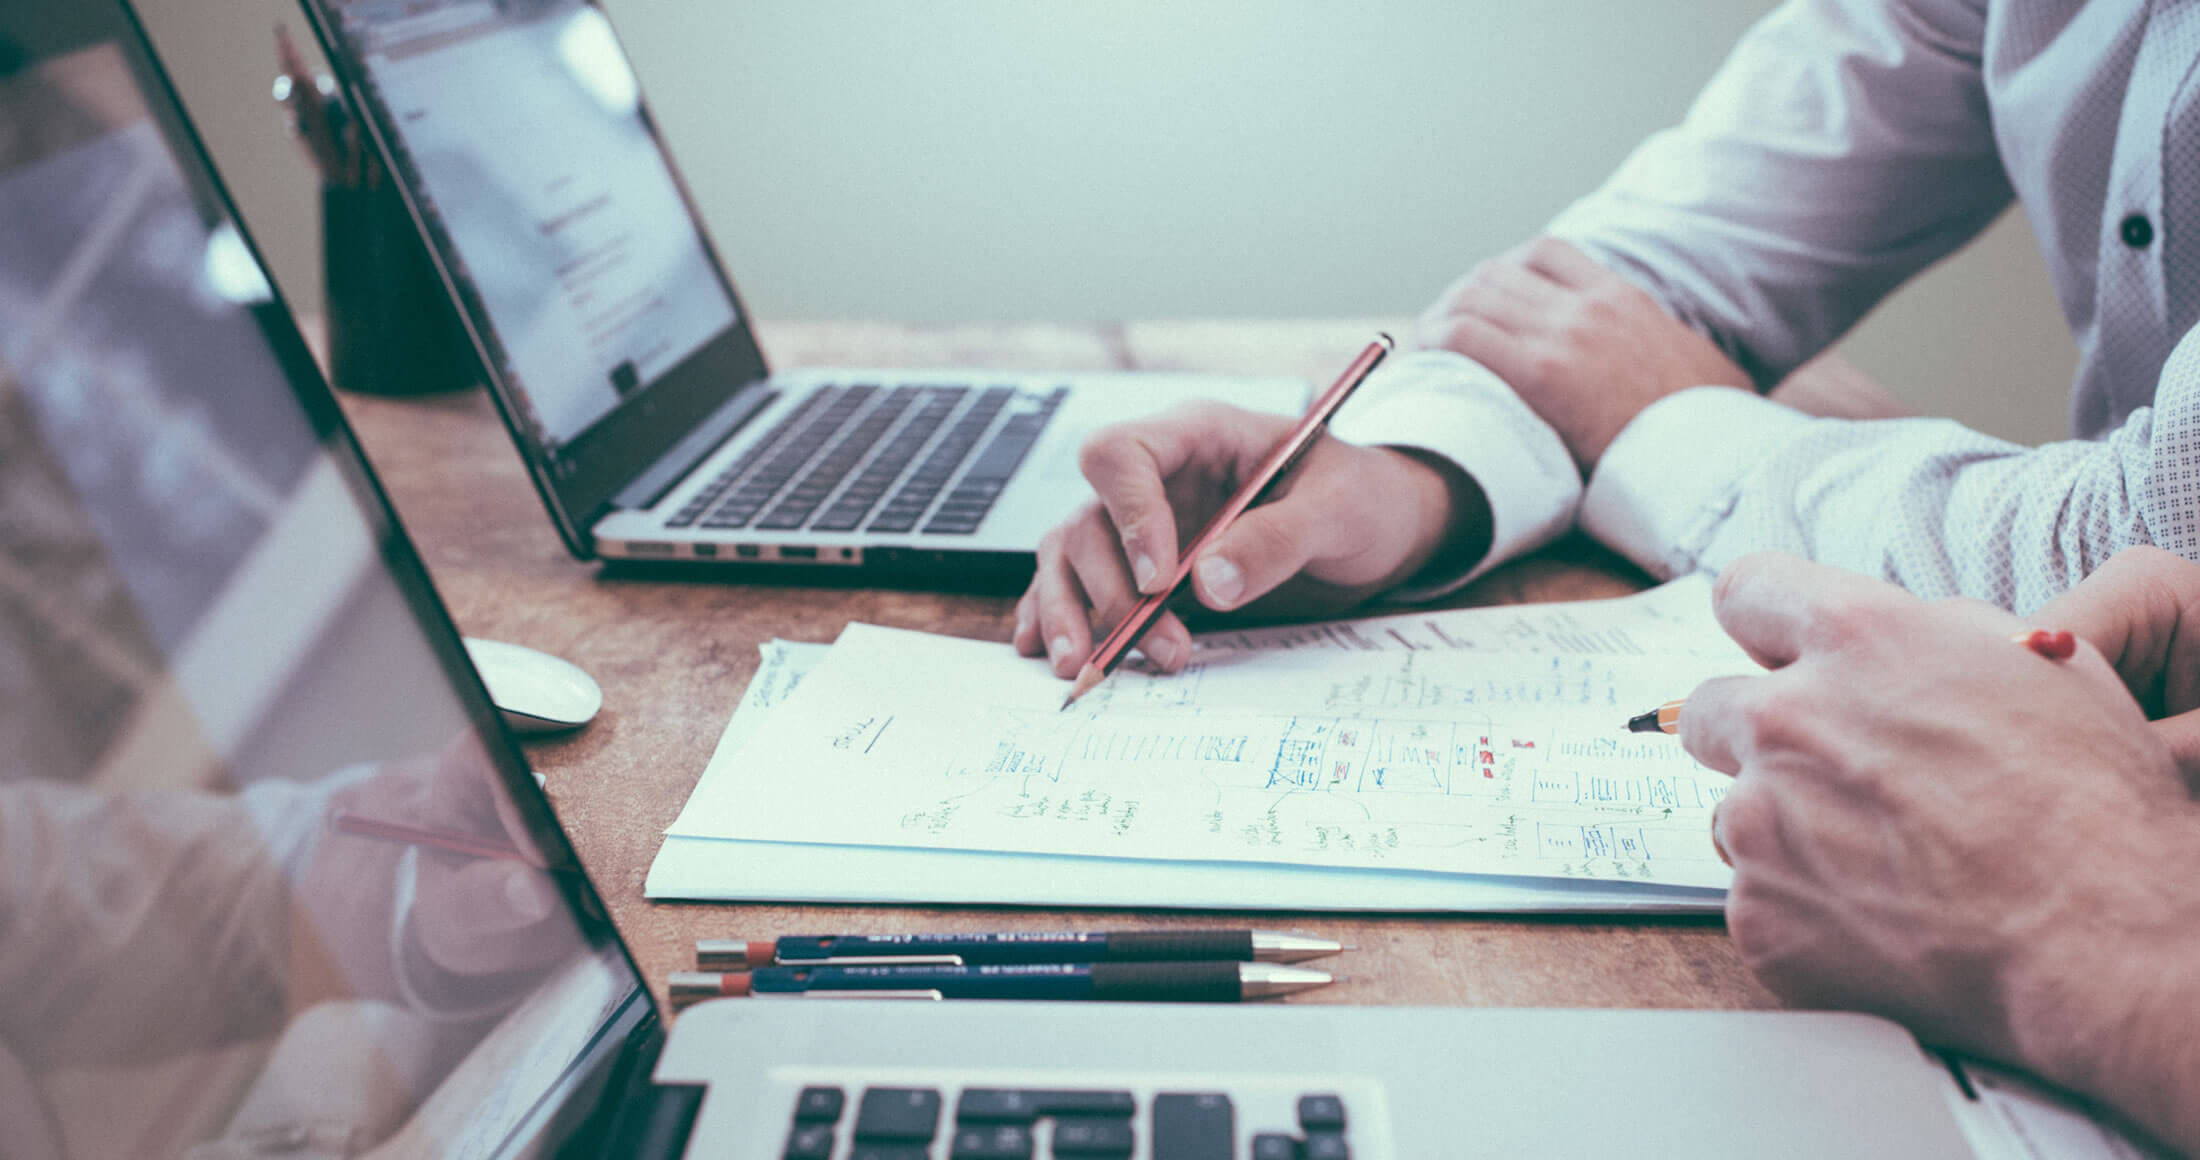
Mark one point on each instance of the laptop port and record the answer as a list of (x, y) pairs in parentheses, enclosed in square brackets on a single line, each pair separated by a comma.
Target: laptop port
[(747, 551), (706, 551), (798, 553)]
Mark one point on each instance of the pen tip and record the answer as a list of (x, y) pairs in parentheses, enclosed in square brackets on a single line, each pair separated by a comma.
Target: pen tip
[(1643, 722), (1269, 981), (1389, 343)]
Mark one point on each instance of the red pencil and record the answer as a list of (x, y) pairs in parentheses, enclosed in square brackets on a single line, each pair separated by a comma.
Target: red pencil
[(451, 841), (1279, 462)]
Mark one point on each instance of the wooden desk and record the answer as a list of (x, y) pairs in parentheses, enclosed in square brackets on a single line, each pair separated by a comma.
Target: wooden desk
[(674, 656)]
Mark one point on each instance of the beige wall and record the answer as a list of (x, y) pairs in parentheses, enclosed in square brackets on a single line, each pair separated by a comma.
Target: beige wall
[(993, 159)]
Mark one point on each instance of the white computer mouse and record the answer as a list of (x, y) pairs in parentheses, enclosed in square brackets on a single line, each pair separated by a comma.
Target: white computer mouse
[(536, 692)]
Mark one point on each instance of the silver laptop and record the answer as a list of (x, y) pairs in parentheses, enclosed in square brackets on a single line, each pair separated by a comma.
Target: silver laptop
[(621, 357), (275, 882)]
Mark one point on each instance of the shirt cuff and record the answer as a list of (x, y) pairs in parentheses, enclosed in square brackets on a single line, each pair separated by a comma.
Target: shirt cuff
[(1449, 406), (1673, 474)]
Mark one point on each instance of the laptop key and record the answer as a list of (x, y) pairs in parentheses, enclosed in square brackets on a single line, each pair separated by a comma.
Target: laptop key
[(1193, 1126), (1097, 1137), (865, 1151), (1321, 1113), (809, 1142), (820, 1103), (1275, 1146), (989, 473), (898, 1114), (827, 473), (1325, 1146), (1023, 1105), (991, 1142), (748, 459), (940, 465)]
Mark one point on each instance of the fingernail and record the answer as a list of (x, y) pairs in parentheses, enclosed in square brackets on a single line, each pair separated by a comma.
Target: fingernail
[(1161, 652), (1143, 568), (1221, 579), (1023, 622), (1058, 647)]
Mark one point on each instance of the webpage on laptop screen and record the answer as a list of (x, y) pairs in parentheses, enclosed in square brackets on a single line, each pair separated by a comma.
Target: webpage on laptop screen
[(522, 121)]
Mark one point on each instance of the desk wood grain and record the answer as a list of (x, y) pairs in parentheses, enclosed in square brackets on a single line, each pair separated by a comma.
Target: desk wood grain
[(673, 656)]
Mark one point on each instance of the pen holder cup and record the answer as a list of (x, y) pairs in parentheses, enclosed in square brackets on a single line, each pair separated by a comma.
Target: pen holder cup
[(391, 329)]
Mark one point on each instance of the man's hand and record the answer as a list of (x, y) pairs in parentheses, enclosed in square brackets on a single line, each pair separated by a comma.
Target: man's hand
[(1348, 522), (1933, 823), (471, 919), (1582, 345), (2142, 610)]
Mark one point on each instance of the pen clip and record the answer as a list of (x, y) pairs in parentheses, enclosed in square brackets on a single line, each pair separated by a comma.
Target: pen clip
[(876, 961), (935, 996)]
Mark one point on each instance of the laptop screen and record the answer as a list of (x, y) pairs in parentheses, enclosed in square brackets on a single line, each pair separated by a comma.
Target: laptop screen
[(523, 124), (518, 131), (270, 880)]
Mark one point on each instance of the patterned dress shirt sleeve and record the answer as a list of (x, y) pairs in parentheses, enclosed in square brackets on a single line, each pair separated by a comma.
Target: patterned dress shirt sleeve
[(1844, 146)]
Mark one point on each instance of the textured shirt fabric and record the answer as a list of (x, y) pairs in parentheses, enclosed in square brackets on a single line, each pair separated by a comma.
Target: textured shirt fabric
[(1844, 146)]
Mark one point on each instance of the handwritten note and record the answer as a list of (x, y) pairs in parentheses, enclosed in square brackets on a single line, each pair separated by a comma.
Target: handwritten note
[(1672, 619), (1461, 761)]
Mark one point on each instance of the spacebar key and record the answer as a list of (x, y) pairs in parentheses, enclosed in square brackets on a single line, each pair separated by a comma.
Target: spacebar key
[(1193, 1126)]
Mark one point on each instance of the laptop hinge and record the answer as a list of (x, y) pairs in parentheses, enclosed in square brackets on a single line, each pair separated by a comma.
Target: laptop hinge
[(635, 1115), (673, 466)]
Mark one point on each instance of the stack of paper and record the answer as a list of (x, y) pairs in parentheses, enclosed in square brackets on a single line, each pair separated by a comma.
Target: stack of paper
[(1458, 761)]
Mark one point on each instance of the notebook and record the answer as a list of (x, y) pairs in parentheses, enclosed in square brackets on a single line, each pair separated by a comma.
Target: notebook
[(723, 869)]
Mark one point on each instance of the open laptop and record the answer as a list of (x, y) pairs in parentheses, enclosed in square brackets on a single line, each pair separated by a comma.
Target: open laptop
[(620, 355), (275, 882)]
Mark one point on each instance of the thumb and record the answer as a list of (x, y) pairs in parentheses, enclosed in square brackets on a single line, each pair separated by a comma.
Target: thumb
[(1265, 547), (471, 921)]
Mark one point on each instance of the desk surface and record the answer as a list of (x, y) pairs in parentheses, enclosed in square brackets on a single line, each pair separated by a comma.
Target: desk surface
[(673, 656)]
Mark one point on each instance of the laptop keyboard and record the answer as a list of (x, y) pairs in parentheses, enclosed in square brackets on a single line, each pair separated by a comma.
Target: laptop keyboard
[(905, 1123), (798, 476)]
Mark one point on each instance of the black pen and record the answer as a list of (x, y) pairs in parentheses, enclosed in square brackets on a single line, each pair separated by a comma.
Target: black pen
[(1122, 946), (1118, 982)]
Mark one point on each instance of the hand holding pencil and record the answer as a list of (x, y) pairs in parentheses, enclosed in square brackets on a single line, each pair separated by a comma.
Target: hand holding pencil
[(1267, 474), (1348, 521), (480, 903)]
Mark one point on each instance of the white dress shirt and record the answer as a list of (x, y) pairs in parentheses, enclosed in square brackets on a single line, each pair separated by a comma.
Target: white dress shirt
[(1844, 146)]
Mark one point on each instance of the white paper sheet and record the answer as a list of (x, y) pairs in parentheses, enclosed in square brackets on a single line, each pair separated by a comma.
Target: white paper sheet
[(1478, 758), (1673, 619), (705, 869), (713, 870)]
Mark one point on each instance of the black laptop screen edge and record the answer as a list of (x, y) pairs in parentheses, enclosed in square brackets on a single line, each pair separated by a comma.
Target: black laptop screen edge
[(577, 485), (405, 567)]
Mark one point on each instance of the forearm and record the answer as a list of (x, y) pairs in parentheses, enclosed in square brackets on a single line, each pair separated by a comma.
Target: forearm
[(2158, 1085), (2113, 1010), (1843, 146), (1508, 484), (1453, 524), (1706, 477)]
